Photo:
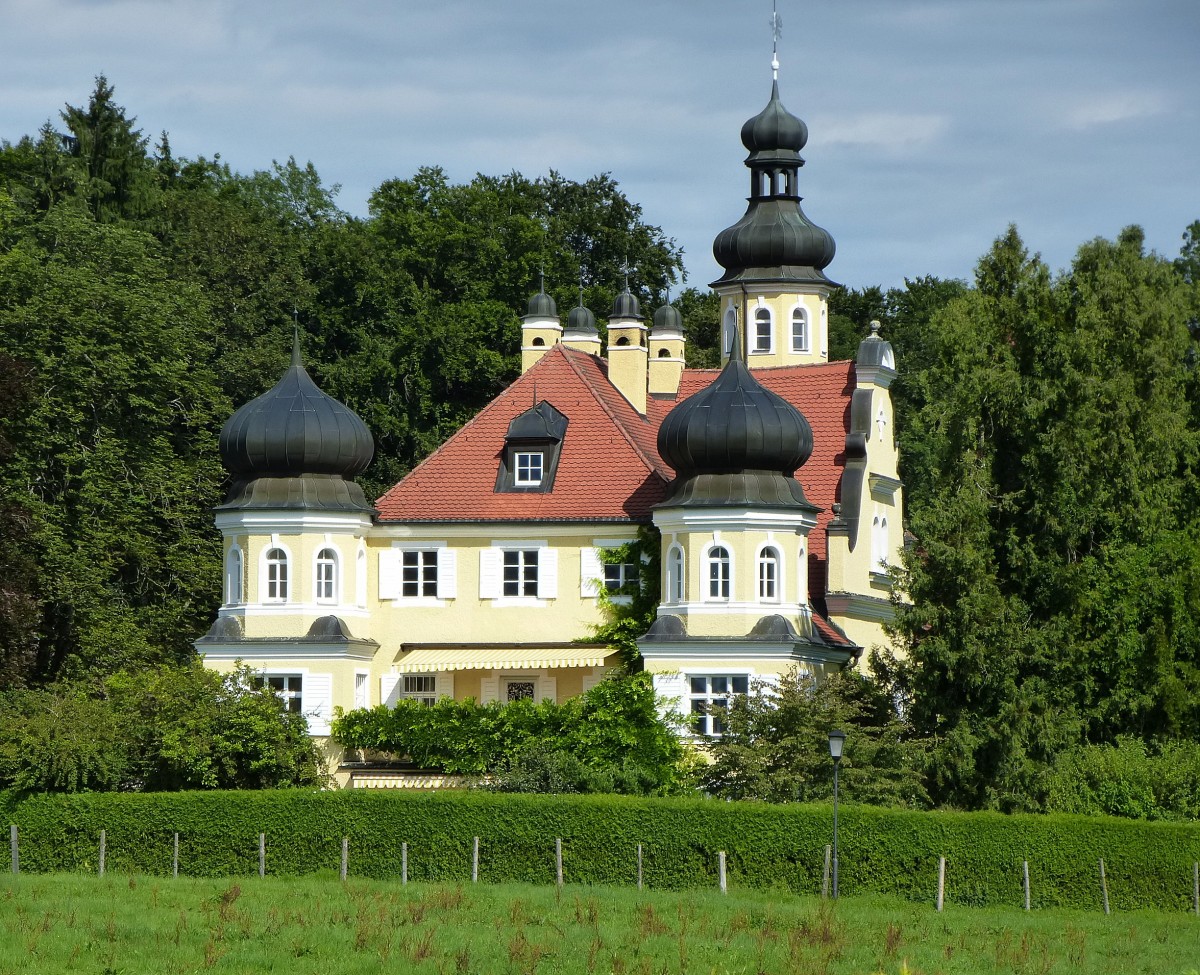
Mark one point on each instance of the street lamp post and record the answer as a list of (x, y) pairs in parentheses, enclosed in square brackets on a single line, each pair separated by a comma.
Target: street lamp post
[(836, 740)]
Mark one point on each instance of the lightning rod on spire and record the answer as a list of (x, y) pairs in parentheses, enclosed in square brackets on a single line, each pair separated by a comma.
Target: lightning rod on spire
[(776, 33)]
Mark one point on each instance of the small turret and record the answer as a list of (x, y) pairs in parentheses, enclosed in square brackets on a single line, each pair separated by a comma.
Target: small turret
[(666, 351), (581, 332), (540, 328), (627, 349)]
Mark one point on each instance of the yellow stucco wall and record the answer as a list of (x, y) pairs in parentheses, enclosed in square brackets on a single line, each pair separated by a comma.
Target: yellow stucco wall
[(781, 304)]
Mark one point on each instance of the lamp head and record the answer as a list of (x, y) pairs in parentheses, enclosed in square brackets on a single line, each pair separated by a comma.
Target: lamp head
[(836, 740)]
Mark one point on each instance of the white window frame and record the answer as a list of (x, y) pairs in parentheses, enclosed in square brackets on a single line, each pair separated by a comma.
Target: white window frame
[(492, 566), (362, 689), (392, 571), (800, 317), (769, 574), (332, 584), (719, 580), (527, 473), (272, 578), (426, 567), (709, 697), (288, 685), (676, 576), (421, 688), (235, 576), (525, 564), (728, 331), (762, 316), (360, 579), (879, 544)]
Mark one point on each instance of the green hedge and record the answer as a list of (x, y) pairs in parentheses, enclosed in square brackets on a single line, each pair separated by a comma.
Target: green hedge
[(1149, 865)]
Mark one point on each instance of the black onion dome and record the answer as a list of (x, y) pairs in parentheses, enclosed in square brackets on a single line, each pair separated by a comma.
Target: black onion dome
[(626, 306), (295, 429), (732, 426), (668, 318), (541, 305), (581, 320), (774, 128)]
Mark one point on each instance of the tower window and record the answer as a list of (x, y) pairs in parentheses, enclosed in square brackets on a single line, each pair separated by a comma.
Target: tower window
[(326, 576), (233, 577), (529, 467), (277, 575), (718, 572), (800, 339), (768, 576), (675, 574), (539, 342), (762, 330)]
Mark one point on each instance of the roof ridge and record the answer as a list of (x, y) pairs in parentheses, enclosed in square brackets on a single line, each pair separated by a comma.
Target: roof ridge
[(491, 404), (617, 421)]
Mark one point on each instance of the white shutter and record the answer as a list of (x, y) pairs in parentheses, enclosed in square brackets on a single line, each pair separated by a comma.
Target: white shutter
[(444, 684), (389, 573), (590, 681), (316, 699), (447, 573), (547, 573), (548, 688), (489, 573), (591, 572), (389, 689), (489, 689), (671, 690)]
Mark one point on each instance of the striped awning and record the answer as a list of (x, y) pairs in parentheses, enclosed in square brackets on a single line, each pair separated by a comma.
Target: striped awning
[(433, 658)]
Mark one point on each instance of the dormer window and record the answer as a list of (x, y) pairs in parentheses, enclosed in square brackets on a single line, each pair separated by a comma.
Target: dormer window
[(529, 459), (530, 465)]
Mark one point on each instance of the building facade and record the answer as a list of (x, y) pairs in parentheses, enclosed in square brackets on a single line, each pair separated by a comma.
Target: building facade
[(773, 482)]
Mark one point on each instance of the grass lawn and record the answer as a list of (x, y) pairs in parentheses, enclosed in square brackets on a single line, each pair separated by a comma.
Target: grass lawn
[(134, 924)]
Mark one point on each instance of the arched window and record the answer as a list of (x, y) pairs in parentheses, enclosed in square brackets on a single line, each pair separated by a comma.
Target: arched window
[(234, 585), (675, 574), (539, 341), (718, 572), (879, 544), (800, 340), (327, 581), (762, 330), (623, 340), (664, 353), (360, 579), (277, 575), (727, 332), (768, 576)]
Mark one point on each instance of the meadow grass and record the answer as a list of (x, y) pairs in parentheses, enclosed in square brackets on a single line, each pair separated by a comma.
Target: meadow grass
[(317, 924)]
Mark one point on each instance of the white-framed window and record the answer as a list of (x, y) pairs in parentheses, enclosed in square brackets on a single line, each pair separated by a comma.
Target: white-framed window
[(675, 574), (276, 564), (360, 579), (419, 573), (361, 692), (800, 336), (709, 696), (879, 543), (326, 587), (768, 576), (290, 687), (727, 332), (719, 572), (421, 688), (528, 468), (519, 689), (620, 574), (520, 572), (762, 330), (234, 577)]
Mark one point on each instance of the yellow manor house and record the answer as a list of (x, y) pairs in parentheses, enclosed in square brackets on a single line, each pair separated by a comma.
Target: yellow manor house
[(773, 482)]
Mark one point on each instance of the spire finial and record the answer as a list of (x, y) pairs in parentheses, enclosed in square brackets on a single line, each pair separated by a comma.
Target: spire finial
[(625, 270), (542, 278), (295, 336), (580, 285), (776, 33)]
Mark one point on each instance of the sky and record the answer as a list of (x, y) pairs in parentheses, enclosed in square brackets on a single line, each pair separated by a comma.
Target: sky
[(933, 124)]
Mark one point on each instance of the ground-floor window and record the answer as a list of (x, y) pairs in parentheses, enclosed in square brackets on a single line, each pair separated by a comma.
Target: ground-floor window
[(421, 688), (710, 696), (290, 687), (523, 689)]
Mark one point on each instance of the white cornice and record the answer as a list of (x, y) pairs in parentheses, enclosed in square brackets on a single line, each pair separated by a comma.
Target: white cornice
[(269, 521), (858, 607), (732, 519)]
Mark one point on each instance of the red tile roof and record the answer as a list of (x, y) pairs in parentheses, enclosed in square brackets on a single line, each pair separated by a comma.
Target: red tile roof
[(609, 469)]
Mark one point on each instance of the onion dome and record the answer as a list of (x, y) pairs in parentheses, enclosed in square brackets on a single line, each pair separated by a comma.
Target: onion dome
[(541, 305), (581, 323), (295, 429), (626, 306), (774, 128), (667, 319), (774, 241)]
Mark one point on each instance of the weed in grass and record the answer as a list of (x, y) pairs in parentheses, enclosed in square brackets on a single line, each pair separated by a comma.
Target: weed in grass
[(893, 938), (1076, 945), (587, 912), (649, 923), (516, 912), (213, 952), (462, 961), (422, 948), (593, 951)]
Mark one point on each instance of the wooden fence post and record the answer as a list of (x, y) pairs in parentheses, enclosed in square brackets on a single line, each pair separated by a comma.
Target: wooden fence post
[(828, 868), (345, 856), (475, 862), (1104, 887), (175, 858), (558, 861), (14, 848), (639, 864), (262, 854), (721, 871), (403, 863), (941, 897), (103, 850), (1026, 870)]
